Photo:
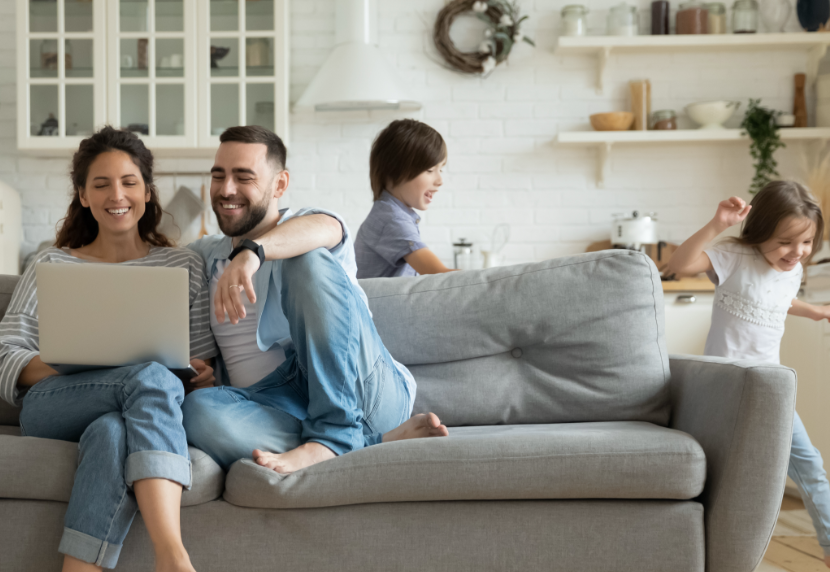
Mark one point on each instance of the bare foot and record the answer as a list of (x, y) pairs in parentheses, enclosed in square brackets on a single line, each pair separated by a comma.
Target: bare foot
[(827, 560), (417, 427), (303, 456)]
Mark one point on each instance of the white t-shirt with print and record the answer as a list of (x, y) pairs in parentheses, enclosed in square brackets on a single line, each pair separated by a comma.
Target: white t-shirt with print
[(751, 303)]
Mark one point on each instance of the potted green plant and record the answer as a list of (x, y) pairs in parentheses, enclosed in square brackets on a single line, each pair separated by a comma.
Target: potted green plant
[(759, 124)]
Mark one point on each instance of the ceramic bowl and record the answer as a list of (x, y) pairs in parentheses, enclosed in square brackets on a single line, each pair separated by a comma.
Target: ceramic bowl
[(614, 121), (712, 114)]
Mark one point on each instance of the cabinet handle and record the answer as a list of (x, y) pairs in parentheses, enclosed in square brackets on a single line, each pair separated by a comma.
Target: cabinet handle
[(686, 299)]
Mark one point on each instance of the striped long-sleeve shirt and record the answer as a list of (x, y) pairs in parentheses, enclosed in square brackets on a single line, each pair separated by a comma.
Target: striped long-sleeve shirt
[(19, 341)]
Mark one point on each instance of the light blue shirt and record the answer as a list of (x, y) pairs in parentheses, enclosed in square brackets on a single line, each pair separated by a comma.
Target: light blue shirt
[(272, 325), (389, 233)]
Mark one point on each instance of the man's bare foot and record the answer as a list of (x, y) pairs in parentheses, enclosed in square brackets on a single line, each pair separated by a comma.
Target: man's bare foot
[(827, 560), (417, 427), (303, 456)]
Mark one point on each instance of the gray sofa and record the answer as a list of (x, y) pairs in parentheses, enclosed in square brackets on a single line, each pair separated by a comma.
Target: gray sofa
[(576, 444)]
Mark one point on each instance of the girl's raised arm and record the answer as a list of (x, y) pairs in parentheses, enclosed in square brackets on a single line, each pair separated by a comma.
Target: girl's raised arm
[(690, 259)]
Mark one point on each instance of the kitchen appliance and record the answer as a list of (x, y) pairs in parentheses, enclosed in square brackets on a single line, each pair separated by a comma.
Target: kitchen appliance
[(634, 231), (356, 74), (463, 255)]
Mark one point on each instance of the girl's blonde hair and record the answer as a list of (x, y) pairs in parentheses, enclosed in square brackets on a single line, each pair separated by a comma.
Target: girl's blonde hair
[(775, 202)]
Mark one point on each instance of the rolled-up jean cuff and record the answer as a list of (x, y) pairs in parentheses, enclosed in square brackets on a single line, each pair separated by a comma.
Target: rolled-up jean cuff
[(158, 465), (374, 439), (89, 549)]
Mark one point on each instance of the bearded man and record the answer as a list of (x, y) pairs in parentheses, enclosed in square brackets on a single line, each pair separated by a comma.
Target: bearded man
[(304, 374)]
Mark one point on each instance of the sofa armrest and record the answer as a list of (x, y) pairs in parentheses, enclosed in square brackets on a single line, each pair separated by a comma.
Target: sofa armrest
[(741, 413)]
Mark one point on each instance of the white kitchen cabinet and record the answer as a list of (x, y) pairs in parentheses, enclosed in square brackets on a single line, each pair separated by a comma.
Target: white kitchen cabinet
[(688, 316), (151, 69), (177, 72), (248, 85), (61, 81), (806, 348)]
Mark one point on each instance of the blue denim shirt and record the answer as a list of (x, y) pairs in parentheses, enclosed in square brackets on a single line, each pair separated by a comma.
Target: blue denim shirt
[(389, 233)]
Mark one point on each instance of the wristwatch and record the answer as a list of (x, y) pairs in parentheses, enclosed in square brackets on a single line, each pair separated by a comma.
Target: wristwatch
[(247, 244)]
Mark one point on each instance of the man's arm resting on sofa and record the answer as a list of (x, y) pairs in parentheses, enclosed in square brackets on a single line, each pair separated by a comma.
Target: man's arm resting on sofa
[(741, 413)]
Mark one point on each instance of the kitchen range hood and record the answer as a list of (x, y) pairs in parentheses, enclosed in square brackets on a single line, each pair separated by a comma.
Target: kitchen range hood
[(356, 75)]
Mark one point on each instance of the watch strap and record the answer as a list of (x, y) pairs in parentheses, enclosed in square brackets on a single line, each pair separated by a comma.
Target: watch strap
[(248, 244)]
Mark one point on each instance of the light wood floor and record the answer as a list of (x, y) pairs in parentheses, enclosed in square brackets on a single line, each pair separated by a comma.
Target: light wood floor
[(794, 547)]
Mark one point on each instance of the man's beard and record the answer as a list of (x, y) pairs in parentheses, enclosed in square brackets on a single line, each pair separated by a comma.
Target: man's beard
[(248, 223)]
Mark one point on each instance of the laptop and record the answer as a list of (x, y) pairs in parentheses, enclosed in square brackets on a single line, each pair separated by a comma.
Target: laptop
[(95, 316)]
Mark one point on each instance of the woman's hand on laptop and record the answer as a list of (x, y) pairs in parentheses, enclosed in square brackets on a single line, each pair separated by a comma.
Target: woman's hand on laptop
[(205, 377), (237, 277)]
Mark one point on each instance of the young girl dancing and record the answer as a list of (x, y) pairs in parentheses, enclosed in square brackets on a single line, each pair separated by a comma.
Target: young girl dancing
[(757, 276)]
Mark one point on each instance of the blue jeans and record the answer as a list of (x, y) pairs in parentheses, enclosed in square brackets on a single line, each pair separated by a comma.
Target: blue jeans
[(128, 423), (807, 470), (338, 386)]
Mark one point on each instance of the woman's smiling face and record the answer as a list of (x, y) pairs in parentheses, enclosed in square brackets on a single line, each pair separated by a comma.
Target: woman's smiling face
[(115, 193)]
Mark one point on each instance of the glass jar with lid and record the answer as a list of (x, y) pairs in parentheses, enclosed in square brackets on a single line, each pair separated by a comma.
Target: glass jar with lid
[(574, 20), (692, 18), (745, 17), (622, 21), (717, 17), (664, 120)]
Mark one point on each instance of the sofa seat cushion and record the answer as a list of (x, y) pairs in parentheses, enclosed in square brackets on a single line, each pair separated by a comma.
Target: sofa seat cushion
[(44, 469), (611, 460)]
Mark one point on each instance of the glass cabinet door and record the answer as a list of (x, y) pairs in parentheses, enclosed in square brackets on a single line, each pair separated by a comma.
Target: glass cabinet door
[(152, 71), (61, 86), (243, 48)]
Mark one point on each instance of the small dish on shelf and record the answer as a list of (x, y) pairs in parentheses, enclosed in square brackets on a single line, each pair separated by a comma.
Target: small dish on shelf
[(613, 121), (711, 114)]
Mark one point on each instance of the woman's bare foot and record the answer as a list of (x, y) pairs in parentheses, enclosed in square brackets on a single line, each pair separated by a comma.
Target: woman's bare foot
[(417, 427), (303, 456)]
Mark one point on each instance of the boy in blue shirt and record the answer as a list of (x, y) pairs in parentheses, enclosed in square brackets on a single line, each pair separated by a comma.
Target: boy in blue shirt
[(405, 170)]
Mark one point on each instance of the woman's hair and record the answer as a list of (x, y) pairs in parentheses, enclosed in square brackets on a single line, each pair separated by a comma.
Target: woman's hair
[(775, 202), (402, 151), (79, 227)]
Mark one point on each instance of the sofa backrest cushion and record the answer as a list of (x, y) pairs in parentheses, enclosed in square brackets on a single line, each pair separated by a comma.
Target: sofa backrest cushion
[(574, 339)]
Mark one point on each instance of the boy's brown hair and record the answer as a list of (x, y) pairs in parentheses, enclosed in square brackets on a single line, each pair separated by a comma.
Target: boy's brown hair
[(775, 202), (402, 151)]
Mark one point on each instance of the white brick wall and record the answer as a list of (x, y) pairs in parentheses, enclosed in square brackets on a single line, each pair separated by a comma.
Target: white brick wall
[(503, 166)]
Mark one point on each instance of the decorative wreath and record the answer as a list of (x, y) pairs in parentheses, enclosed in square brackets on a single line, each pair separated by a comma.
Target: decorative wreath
[(503, 21)]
